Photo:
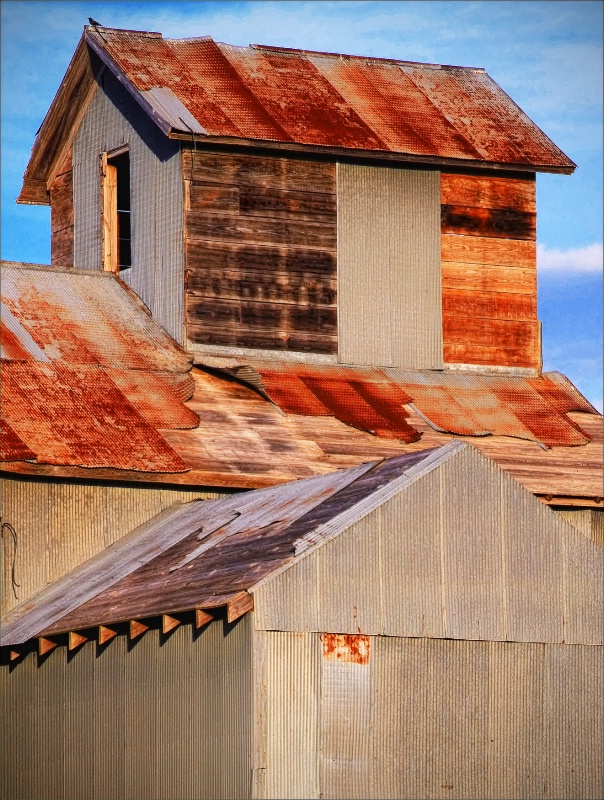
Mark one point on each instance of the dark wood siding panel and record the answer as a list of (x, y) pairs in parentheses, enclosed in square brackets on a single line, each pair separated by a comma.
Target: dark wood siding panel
[(61, 216), (489, 271), (260, 252)]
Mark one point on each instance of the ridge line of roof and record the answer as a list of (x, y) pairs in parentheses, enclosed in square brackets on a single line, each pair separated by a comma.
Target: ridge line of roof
[(275, 49), (320, 535)]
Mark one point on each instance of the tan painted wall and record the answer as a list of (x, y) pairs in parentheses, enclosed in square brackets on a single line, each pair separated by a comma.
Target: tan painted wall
[(427, 718), (145, 722), (61, 525), (389, 274)]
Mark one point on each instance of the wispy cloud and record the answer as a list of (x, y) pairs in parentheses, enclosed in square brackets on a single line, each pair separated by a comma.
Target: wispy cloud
[(572, 261)]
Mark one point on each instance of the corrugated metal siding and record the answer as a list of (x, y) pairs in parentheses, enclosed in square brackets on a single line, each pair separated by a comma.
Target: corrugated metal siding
[(432, 718), (389, 283), (287, 686), (464, 553), (573, 722), (157, 274), (61, 525), (590, 521), (145, 721)]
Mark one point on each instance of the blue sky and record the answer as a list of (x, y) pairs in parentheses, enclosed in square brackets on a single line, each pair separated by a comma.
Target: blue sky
[(547, 55)]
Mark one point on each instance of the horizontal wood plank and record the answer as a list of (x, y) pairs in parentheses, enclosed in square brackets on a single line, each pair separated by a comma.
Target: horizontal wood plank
[(265, 258), (61, 247), (312, 206), (261, 285), (476, 340), (470, 190), (491, 304), (486, 277), (251, 170), (210, 197), (272, 203), (258, 316), (263, 339), (260, 230), (483, 250), (502, 223)]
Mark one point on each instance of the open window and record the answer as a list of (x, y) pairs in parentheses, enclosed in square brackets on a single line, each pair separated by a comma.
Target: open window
[(117, 240)]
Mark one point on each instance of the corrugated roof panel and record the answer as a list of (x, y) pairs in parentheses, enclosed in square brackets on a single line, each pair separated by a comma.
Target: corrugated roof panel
[(12, 448), (238, 111), (332, 100), (87, 319), (388, 100), (362, 398), (75, 415)]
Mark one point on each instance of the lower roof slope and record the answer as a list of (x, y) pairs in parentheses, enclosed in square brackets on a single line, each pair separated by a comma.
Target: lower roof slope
[(206, 554), (94, 388)]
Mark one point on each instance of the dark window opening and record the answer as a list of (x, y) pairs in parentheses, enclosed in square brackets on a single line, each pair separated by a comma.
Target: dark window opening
[(121, 164)]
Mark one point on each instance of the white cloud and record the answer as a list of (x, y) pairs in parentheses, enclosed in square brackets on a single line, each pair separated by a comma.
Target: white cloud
[(572, 261)]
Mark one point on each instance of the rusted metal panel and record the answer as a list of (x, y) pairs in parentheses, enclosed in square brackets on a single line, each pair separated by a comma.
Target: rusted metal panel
[(145, 721), (60, 525), (12, 448), (363, 398), (389, 226), (75, 415), (84, 319), (346, 757), (91, 375), (330, 100), (112, 120)]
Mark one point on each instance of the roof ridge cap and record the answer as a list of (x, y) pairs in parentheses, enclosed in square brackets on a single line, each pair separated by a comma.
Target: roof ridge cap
[(275, 49)]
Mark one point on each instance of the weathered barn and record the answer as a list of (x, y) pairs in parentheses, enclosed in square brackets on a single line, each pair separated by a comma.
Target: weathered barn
[(477, 672), (312, 276)]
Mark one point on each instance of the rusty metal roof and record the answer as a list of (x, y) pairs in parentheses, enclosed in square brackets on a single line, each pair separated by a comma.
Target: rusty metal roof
[(202, 554), (326, 99), (87, 375), (299, 100), (453, 402)]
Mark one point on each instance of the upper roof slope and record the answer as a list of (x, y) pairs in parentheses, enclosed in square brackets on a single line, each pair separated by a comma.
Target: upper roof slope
[(299, 99)]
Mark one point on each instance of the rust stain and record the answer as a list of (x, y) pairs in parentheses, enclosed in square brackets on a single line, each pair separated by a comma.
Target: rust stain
[(333, 100), (348, 648)]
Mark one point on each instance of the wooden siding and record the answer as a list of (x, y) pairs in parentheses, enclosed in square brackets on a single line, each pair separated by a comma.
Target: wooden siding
[(61, 215), (113, 120), (157, 718), (489, 271), (260, 252), (389, 289), (61, 525), (426, 718)]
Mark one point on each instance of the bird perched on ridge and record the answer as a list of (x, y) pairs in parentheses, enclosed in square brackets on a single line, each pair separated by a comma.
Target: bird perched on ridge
[(94, 22)]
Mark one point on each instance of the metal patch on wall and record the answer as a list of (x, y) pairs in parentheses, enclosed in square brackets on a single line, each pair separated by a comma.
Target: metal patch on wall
[(347, 648)]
